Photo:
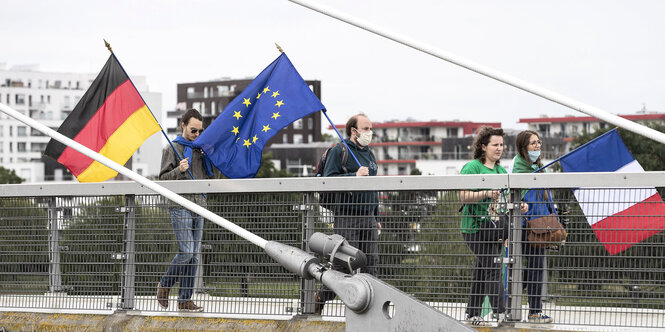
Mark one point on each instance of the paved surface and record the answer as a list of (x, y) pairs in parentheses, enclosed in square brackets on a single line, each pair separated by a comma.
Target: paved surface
[(58, 312)]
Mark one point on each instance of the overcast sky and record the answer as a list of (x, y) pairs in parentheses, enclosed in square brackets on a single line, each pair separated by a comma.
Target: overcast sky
[(609, 54)]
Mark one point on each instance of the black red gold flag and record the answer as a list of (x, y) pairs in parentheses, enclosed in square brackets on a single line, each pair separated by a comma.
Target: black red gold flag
[(111, 118)]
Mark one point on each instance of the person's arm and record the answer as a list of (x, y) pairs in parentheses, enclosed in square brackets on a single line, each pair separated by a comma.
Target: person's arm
[(171, 167), (468, 196)]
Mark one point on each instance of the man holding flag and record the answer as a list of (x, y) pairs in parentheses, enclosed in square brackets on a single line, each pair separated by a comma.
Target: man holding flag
[(187, 225)]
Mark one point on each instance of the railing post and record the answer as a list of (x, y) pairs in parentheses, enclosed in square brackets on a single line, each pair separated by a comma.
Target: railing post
[(515, 281), (54, 237), (308, 287), (129, 255)]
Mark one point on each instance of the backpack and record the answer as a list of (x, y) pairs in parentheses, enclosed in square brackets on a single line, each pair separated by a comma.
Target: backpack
[(327, 198)]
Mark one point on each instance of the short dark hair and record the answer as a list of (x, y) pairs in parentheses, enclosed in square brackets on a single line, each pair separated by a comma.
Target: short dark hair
[(191, 113), (353, 123), (483, 138)]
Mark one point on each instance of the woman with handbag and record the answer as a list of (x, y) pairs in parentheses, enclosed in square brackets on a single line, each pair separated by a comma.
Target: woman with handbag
[(485, 231), (527, 160)]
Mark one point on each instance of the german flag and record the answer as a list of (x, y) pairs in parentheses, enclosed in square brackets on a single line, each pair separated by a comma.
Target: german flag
[(111, 118)]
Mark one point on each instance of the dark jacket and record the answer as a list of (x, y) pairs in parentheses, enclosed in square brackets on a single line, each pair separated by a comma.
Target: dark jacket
[(170, 171), (359, 202)]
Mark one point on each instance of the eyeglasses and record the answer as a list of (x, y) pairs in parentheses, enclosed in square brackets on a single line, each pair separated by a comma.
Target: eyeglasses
[(536, 143), (194, 131)]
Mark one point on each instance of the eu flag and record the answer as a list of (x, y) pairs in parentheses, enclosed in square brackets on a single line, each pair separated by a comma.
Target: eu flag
[(235, 140)]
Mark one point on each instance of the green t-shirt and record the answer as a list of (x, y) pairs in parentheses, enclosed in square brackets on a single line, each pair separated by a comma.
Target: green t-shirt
[(474, 214)]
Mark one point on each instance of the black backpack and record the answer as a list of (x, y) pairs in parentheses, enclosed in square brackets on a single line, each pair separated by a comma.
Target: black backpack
[(327, 198)]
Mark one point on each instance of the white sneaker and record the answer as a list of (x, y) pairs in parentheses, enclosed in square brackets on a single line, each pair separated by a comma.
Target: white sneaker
[(477, 321)]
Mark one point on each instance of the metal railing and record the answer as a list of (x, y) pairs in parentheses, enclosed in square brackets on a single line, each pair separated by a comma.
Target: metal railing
[(104, 247)]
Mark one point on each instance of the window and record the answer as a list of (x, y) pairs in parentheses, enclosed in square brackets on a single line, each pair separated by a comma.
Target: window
[(20, 99), (20, 147), (297, 139), (191, 92), (452, 132), (297, 124), (21, 131), (310, 138), (285, 138), (310, 123), (401, 170)]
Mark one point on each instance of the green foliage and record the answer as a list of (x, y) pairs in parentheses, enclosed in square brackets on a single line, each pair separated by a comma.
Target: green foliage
[(23, 246), (416, 171), (8, 176)]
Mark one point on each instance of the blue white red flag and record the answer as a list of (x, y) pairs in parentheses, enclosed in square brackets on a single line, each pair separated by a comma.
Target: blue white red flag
[(620, 218)]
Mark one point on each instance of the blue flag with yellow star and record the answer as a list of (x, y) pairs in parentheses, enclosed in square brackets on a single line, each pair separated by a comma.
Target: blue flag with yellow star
[(235, 140)]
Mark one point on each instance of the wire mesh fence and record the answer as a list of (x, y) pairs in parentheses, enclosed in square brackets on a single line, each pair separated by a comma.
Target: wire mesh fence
[(109, 252)]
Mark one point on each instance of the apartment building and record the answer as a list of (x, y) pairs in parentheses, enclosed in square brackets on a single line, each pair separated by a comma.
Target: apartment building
[(567, 127)]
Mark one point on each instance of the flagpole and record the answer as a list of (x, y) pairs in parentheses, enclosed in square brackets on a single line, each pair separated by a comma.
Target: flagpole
[(342, 138), (583, 145), (331, 123), (489, 72), (148, 107)]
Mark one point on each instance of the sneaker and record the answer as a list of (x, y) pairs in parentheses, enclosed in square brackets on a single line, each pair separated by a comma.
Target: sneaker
[(318, 304), (539, 318), (163, 296), (189, 306), (477, 321)]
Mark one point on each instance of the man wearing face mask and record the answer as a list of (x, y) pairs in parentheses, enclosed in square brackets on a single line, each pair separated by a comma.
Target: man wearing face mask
[(355, 218)]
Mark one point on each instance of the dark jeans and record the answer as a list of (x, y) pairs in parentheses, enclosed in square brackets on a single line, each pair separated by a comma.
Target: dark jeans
[(361, 232), (188, 228), (533, 274), (486, 279)]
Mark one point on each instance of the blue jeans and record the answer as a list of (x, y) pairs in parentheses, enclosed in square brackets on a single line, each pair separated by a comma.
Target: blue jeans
[(188, 228)]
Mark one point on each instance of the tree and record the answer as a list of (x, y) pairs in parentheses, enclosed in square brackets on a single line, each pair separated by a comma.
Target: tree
[(416, 171), (9, 176)]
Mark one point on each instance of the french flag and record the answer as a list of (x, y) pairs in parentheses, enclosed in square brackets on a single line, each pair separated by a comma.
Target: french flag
[(619, 217)]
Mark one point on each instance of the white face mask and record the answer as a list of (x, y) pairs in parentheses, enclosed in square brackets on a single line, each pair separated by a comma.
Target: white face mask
[(364, 138), (533, 155)]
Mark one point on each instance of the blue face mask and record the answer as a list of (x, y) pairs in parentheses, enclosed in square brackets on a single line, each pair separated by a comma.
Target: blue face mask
[(533, 155)]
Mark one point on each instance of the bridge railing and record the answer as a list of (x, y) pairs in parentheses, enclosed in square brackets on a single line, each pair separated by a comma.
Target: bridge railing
[(103, 247)]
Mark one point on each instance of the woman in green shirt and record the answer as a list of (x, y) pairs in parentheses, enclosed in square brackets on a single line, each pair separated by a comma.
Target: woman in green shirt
[(482, 233)]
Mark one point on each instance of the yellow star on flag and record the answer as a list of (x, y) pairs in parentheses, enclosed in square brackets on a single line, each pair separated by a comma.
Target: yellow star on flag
[(247, 143), (258, 95), (246, 102), (237, 115), (254, 139), (266, 90), (275, 115), (235, 130), (266, 128), (275, 94), (279, 103)]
